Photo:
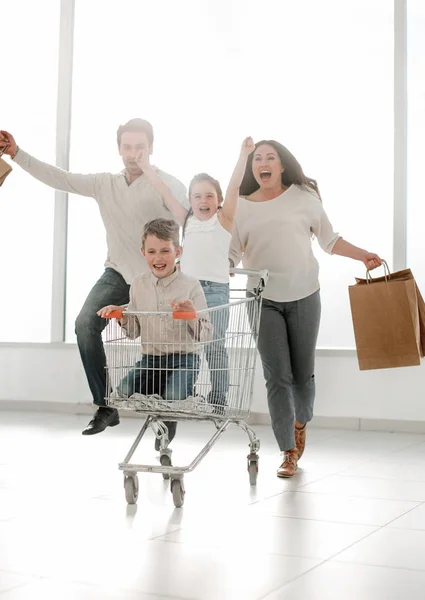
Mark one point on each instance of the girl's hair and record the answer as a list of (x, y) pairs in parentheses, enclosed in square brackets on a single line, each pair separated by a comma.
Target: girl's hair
[(164, 229), (197, 179), (292, 174)]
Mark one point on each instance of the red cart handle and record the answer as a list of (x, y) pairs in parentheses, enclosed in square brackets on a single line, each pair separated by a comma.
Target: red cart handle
[(185, 315), (114, 314)]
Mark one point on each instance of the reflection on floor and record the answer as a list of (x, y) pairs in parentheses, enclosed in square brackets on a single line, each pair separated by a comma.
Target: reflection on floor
[(350, 525)]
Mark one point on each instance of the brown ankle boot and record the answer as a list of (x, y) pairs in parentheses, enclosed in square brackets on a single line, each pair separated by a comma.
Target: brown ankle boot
[(300, 436), (289, 466)]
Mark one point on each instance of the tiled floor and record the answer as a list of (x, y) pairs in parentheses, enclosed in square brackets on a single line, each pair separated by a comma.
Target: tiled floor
[(351, 524)]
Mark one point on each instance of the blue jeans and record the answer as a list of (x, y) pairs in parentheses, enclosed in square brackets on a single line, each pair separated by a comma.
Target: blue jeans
[(217, 294), (171, 376), (111, 288)]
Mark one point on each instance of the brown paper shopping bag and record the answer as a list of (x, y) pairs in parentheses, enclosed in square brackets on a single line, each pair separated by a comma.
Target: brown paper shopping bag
[(421, 311), (389, 320), (405, 275), (5, 168)]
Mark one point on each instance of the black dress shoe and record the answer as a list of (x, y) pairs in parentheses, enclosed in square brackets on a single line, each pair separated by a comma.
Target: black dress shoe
[(172, 426), (103, 418)]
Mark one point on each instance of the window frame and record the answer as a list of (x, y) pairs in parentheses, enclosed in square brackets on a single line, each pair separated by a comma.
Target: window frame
[(63, 131)]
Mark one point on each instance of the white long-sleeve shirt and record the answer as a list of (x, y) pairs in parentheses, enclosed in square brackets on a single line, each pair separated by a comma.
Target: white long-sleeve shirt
[(125, 209), (276, 235), (206, 249)]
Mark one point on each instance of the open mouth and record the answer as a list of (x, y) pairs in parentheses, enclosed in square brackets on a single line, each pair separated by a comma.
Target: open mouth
[(265, 175), (159, 267), (204, 210)]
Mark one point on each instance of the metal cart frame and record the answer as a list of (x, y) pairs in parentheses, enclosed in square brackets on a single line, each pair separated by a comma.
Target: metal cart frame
[(244, 314)]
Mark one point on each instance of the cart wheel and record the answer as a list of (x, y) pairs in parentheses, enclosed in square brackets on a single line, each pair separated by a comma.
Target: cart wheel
[(178, 491), (131, 486), (165, 461), (253, 469)]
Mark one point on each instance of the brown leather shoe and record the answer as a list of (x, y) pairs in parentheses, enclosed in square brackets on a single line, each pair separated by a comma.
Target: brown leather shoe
[(300, 436), (289, 466)]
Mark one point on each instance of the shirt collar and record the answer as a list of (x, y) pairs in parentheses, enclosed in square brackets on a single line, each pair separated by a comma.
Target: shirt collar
[(164, 281)]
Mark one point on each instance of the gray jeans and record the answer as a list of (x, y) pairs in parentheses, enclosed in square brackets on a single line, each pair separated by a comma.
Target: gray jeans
[(287, 344)]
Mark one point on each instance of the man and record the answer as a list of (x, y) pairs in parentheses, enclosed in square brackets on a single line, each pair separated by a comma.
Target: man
[(127, 201)]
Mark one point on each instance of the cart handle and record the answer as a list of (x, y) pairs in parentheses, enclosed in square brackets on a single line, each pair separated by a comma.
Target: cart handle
[(184, 315), (262, 274), (115, 314)]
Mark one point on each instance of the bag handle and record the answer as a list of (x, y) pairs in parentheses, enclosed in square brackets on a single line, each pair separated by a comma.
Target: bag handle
[(387, 274)]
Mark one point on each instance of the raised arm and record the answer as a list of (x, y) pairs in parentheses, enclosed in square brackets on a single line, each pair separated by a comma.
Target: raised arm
[(154, 178), (74, 183), (227, 214)]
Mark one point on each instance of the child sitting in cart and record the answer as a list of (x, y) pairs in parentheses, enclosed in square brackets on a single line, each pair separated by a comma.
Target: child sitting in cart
[(170, 347)]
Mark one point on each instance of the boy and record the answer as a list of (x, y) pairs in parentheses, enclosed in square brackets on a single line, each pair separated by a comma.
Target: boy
[(170, 362)]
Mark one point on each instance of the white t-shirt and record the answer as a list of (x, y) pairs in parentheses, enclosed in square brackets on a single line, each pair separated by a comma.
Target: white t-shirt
[(277, 235), (125, 209), (206, 250)]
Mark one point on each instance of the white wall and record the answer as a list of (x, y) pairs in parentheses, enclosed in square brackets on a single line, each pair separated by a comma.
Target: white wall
[(53, 373)]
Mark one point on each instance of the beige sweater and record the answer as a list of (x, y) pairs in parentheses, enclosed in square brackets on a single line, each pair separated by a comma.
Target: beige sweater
[(124, 209), (277, 235)]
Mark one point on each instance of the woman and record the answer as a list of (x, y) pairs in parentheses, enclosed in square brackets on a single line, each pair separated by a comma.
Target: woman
[(279, 212)]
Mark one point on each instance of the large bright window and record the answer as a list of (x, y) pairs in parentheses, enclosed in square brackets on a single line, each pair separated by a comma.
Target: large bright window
[(416, 136), (314, 75), (29, 68)]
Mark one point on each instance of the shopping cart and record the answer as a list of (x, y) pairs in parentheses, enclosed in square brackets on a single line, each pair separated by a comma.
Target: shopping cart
[(197, 367)]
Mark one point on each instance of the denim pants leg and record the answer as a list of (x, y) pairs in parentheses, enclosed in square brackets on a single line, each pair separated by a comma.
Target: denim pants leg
[(182, 372), (147, 377), (111, 288), (287, 343), (171, 376), (127, 385), (217, 294)]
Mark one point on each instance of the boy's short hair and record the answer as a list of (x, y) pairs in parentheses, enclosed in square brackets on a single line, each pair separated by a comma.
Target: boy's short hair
[(136, 125), (164, 229)]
